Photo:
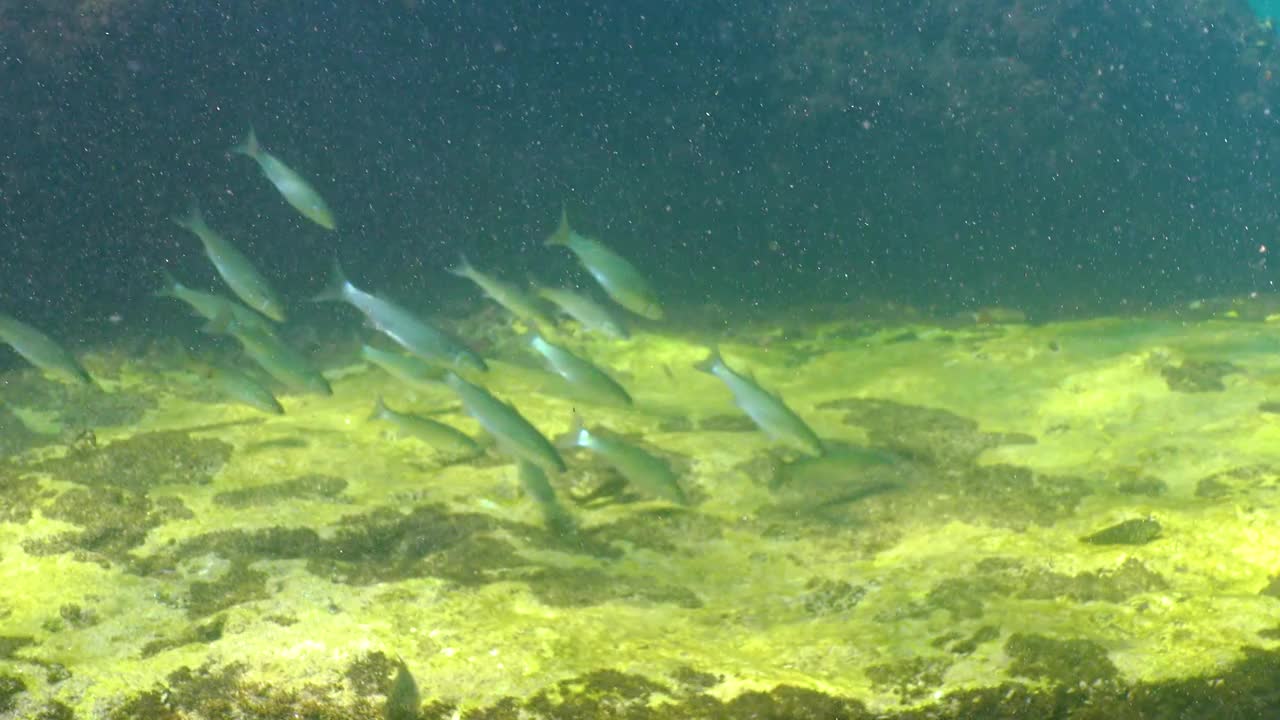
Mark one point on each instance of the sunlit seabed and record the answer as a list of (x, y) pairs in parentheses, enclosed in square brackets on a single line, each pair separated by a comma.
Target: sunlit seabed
[(1083, 502)]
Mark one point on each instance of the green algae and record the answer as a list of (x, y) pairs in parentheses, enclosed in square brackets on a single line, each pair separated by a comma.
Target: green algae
[(199, 633), (21, 494), (76, 407), (910, 679), (10, 688), (16, 437), (142, 462), (1066, 662), (583, 587), (924, 434), (1238, 481), (1198, 376), (113, 522), (306, 487), (239, 584), (966, 597), (825, 596)]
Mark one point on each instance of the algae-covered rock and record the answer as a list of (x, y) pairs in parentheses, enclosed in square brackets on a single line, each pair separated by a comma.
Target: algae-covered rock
[(912, 678), (10, 688), (1198, 376), (77, 407), (1136, 531), (113, 521), (918, 433), (824, 596), (21, 494), (1065, 662), (200, 633), (306, 487), (143, 462)]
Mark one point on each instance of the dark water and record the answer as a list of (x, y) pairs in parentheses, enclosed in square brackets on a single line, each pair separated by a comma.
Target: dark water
[(1043, 155)]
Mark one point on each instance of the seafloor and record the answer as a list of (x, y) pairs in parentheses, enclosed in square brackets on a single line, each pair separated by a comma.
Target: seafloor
[(1075, 519)]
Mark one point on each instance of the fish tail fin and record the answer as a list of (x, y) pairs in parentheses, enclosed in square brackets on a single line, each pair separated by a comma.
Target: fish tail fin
[(576, 435), (712, 359), (338, 284), (169, 285), (463, 268), (379, 409), (220, 324), (192, 220), (249, 145), (563, 231)]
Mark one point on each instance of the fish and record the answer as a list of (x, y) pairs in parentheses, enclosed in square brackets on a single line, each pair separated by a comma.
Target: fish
[(765, 409), (236, 270), (436, 434), (404, 702), (296, 191), (405, 368), (211, 305), (515, 300), (242, 388), (535, 483), (590, 314), (581, 374), (280, 359), (413, 334), (619, 278), (42, 351), (643, 470), (515, 435)]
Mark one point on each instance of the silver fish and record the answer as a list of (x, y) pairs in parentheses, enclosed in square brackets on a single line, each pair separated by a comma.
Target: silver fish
[(650, 474), (211, 305), (405, 368), (240, 387), (582, 374), (590, 314), (615, 273), (237, 270), (767, 410), (515, 300), (515, 435), (41, 350), (280, 359), (413, 334), (297, 191), (436, 434), (535, 483)]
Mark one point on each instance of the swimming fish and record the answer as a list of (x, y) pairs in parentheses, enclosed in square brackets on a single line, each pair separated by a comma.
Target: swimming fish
[(239, 273), (296, 191), (650, 474), (535, 483), (515, 300), (767, 410), (413, 334), (211, 305), (515, 435), (582, 374), (41, 350), (280, 359), (616, 274), (590, 314), (407, 369), (238, 386), (436, 434)]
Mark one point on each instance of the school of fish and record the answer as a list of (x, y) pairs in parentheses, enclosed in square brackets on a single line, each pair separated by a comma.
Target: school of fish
[(426, 355)]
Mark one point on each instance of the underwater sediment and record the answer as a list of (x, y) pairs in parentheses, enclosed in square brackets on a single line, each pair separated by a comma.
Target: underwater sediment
[(1009, 521)]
